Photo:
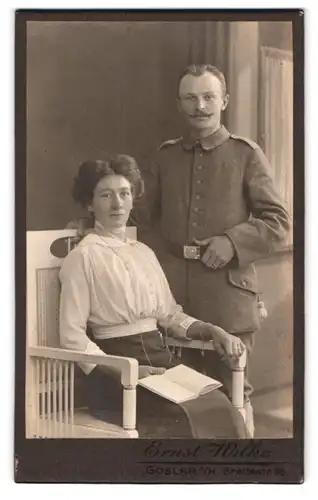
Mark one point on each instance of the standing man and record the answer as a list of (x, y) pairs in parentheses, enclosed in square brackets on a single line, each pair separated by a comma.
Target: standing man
[(213, 197)]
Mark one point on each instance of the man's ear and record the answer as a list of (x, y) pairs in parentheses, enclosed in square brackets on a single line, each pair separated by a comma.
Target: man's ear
[(226, 99)]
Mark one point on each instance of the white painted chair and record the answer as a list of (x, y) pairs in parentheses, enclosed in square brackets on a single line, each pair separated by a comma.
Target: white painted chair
[(50, 374), (50, 369)]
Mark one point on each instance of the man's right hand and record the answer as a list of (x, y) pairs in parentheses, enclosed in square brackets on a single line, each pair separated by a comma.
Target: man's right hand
[(145, 371)]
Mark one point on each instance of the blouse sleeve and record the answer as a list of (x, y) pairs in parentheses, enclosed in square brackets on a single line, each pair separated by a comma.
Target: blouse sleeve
[(75, 308)]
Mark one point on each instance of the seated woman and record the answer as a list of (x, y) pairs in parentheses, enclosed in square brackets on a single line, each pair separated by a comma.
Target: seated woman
[(115, 287)]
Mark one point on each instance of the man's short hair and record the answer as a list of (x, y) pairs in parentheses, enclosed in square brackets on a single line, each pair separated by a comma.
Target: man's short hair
[(200, 69)]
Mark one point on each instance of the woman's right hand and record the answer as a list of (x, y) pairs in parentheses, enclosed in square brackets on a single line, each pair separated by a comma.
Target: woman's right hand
[(145, 371)]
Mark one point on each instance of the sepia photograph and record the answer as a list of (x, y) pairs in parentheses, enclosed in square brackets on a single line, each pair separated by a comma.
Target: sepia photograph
[(158, 158)]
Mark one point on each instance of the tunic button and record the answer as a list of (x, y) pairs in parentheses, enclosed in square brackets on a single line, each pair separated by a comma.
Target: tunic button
[(244, 283), (194, 224), (195, 209), (198, 196), (199, 167), (199, 182)]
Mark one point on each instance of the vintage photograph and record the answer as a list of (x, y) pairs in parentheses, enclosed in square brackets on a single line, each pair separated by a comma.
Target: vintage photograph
[(159, 168), (159, 229)]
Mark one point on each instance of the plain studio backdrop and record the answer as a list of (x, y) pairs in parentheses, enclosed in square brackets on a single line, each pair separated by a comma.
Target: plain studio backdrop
[(105, 87)]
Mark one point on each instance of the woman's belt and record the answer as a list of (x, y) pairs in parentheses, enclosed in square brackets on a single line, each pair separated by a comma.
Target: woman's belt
[(125, 329)]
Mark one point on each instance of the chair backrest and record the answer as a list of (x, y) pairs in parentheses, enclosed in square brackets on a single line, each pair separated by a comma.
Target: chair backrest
[(49, 383), (43, 286)]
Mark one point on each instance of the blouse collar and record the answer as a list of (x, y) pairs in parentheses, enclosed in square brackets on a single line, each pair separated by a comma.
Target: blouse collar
[(101, 235)]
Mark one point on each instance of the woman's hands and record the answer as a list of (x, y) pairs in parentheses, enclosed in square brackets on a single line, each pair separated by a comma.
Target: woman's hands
[(145, 371), (225, 344)]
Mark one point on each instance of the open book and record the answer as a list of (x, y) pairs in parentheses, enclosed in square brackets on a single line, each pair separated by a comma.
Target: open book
[(180, 384)]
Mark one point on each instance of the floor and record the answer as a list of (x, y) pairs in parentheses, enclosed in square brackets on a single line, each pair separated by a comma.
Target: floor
[(273, 413)]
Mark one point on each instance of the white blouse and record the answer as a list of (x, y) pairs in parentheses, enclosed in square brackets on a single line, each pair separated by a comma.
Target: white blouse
[(116, 287)]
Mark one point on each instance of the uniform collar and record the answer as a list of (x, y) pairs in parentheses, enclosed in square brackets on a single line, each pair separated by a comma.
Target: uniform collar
[(209, 142)]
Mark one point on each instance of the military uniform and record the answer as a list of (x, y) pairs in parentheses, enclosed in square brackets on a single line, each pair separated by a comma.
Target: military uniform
[(220, 185)]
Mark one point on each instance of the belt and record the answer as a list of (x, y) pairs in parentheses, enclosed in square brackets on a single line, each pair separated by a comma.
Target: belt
[(188, 252), (140, 326)]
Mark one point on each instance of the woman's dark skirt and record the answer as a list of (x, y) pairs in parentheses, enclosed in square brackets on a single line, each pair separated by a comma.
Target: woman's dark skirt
[(209, 416)]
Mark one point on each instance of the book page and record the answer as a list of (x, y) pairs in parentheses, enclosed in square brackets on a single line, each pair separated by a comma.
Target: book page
[(161, 385), (191, 379)]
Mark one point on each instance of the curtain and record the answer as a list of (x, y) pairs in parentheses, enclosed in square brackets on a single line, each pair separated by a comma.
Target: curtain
[(276, 118)]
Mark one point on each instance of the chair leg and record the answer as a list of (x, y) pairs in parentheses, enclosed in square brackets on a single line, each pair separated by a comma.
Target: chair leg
[(132, 434), (129, 410), (245, 409), (238, 390)]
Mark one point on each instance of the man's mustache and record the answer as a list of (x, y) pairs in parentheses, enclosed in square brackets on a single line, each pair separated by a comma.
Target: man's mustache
[(201, 115)]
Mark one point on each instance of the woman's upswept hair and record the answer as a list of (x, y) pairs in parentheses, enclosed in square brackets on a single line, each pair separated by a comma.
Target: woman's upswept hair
[(92, 171)]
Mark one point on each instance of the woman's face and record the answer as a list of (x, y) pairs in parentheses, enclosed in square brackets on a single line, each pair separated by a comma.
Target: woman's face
[(112, 201)]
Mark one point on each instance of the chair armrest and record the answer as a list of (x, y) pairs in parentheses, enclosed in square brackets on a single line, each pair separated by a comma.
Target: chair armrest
[(237, 364), (127, 366), (206, 345)]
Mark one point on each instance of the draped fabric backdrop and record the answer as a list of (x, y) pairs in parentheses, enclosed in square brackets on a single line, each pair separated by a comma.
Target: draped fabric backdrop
[(276, 118)]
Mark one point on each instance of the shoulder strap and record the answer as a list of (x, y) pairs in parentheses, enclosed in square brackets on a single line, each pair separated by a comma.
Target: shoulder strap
[(170, 142), (251, 143)]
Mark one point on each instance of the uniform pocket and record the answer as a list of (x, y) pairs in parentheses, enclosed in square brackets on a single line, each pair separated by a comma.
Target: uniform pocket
[(243, 304), (244, 279)]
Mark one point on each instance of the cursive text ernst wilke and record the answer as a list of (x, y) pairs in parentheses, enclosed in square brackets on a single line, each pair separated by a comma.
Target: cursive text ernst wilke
[(254, 449)]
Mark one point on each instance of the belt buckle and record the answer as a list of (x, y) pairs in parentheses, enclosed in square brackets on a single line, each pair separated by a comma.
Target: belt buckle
[(191, 252)]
